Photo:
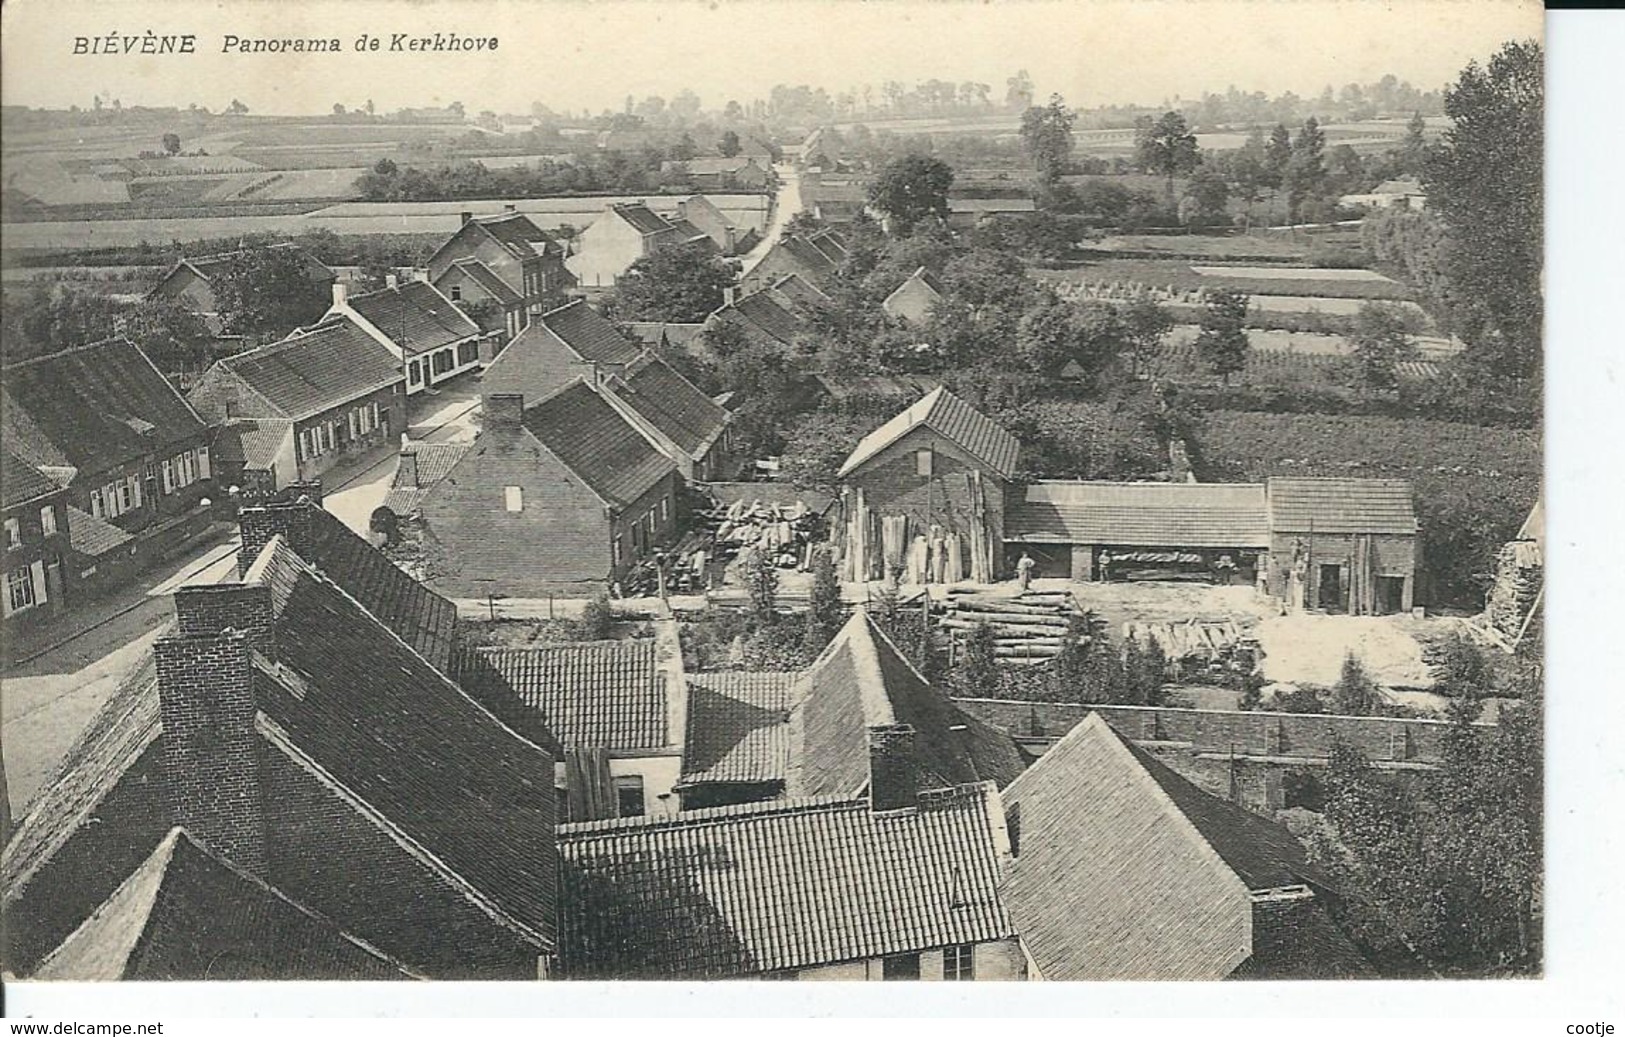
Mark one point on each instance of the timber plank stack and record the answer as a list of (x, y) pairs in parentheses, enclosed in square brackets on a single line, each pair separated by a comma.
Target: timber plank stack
[(1031, 627)]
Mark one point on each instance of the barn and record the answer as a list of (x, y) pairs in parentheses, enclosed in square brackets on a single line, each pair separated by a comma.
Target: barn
[(1343, 545)]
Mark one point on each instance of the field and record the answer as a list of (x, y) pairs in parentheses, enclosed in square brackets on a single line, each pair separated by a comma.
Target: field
[(1307, 360), (1183, 276)]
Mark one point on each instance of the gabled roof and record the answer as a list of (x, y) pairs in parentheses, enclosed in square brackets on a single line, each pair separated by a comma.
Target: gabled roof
[(21, 482), (93, 407), (642, 218), (94, 537), (688, 234), (207, 267), (672, 404), (657, 333), (185, 914), (746, 890), (843, 386), (414, 316), (315, 369), (1341, 506), (860, 686), (487, 279), (1141, 514), (771, 316), (710, 165), (1401, 186), (592, 336), (590, 695), (814, 260), (952, 418), (595, 442), (518, 234), (795, 290), (434, 462), (251, 444), (1295, 938), (738, 729)]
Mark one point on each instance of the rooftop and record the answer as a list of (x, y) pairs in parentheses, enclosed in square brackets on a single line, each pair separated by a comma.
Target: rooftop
[(738, 729), (488, 280), (1141, 514), (595, 442), (1341, 506), (21, 482), (672, 404), (414, 316), (590, 695), (950, 417), (315, 369)]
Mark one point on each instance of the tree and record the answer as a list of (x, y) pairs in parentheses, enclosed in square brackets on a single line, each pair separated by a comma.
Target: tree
[(266, 293), (1277, 157), (1166, 147), (1018, 92), (1306, 171), (1145, 324), (825, 614), (1355, 694), (371, 108), (728, 146), (910, 190), (1222, 342), (1413, 153), (1381, 342), (1485, 184), (236, 108), (338, 109), (677, 283), (1210, 192), (977, 674), (172, 143), (762, 580), (1046, 137), (597, 622)]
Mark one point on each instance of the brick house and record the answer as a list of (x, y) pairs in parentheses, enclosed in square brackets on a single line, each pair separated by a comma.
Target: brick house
[(484, 297), (299, 738), (431, 339), (1343, 545), (133, 453), (816, 257), (37, 544), (619, 237), (561, 496), (716, 173), (189, 281), (330, 391), (730, 239), (939, 469), (506, 259)]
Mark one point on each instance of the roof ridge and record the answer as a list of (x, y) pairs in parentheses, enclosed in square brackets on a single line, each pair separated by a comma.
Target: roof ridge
[(111, 339), (710, 816)]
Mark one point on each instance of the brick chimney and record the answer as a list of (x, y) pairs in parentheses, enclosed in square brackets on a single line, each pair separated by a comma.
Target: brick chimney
[(730, 295), (408, 473), (391, 281), (210, 747), (205, 610), (503, 410), (893, 779), (258, 525), (468, 217)]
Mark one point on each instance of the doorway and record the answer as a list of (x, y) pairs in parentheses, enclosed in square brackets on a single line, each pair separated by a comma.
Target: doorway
[(1390, 595), (1330, 597)]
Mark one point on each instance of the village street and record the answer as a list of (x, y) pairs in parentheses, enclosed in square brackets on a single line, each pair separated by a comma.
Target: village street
[(786, 204)]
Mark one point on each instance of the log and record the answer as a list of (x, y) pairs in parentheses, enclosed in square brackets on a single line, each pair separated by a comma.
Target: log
[(1003, 605), (1007, 629), (977, 615), (1033, 652)]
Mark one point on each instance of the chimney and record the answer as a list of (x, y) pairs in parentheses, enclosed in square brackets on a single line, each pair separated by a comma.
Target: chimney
[(509, 207), (258, 525), (408, 473), (210, 763), (468, 217), (310, 489), (730, 294), (391, 281), (503, 410), (207, 609), (341, 293), (893, 780)]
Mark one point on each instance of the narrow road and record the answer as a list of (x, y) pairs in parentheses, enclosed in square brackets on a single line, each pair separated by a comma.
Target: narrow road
[(786, 204)]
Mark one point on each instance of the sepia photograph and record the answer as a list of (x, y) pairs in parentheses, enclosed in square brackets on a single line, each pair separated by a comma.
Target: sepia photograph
[(805, 490)]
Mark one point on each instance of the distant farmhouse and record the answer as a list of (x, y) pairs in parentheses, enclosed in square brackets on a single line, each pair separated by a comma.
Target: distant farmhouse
[(814, 257), (739, 173), (1390, 194), (189, 281), (625, 233), (503, 264), (914, 298)]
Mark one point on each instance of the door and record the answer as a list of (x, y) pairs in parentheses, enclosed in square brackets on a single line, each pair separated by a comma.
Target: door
[(1331, 588), (1390, 595)]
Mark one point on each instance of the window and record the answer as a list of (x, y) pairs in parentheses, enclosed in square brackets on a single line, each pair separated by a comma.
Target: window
[(514, 498), (127, 491), (615, 551), (900, 966), (922, 462), (629, 795), (561, 806), (456, 293), (47, 520), (649, 520), (96, 508), (19, 590), (354, 421), (14, 533), (169, 475), (376, 420), (414, 373), (467, 353), (959, 961), (665, 510), (202, 462)]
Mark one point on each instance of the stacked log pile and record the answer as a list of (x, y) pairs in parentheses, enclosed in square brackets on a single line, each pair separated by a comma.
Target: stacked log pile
[(1198, 647), (1519, 577), (785, 531), (1032, 627)]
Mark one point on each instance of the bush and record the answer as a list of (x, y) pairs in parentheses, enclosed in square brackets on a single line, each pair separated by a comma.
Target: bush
[(597, 622)]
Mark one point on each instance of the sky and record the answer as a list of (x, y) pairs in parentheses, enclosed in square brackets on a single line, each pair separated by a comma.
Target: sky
[(575, 54)]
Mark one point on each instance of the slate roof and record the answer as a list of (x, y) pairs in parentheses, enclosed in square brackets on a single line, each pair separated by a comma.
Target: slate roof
[(250, 443), (435, 461), (672, 404), (94, 537), (21, 482), (93, 407), (738, 729), (952, 418), (861, 683), (414, 316), (642, 218), (589, 333), (1141, 514), (315, 369), (185, 914), (488, 280), (743, 890), (586, 433), (589, 695), (1294, 938), (1333, 505)]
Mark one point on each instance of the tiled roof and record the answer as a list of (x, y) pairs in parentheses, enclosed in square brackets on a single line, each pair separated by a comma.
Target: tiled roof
[(184, 914), (487, 279), (738, 729), (95, 407), (21, 482), (208, 266), (861, 683), (815, 261), (672, 404), (797, 290), (518, 234), (586, 433), (1294, 938), (250, 443), (745, 890), (1141, 514), (591, 695), (843, 386), (688, 234), (589, 333), (656, 333), (316, 369), (414, 316), (435, 460), (643, 219), (1341, 506), (94, 537), (952, 418), (771, 316)]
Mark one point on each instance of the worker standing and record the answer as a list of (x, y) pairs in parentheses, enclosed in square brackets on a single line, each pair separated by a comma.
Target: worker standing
[(1024, 570)]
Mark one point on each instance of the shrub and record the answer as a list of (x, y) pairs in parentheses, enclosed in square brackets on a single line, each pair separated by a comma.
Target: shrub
[(597, 622)]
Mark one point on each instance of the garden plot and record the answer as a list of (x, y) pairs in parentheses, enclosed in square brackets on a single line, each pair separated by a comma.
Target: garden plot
[(1324, 304), (1292, 273)]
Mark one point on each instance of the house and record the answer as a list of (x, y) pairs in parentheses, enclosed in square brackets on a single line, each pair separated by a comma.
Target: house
[(301, 740), (888, 392), (1121, 869), (623, 234), (132, 452), (504, 264), (663, 334), (37, 544), (331, 391), (913, 300), (808, 889), (938, 472), (190, 280), (431, 339), (1159, 531), (968, 213), (815, 257), (687, 425), (560, 346), (610, 712), (1343, 545), (561, 496), (699, 212), (738, 173), (769, 316), (1403, 193)]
